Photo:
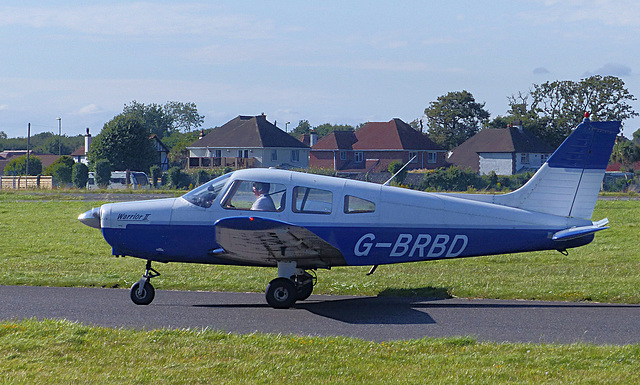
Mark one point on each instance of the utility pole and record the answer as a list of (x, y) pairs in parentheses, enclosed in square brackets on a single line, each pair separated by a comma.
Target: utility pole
[(28, 145), (59, 136)]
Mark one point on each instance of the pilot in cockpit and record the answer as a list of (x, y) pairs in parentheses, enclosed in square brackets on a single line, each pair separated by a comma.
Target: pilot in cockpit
[(263, 201)]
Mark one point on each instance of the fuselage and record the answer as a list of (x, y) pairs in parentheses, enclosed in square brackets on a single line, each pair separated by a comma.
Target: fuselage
[(369, 224)]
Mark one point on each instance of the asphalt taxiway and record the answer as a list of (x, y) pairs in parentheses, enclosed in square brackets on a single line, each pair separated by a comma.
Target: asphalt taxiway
[(371, 318)]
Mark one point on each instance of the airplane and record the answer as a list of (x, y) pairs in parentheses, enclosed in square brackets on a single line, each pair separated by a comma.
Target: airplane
[(318, 222)]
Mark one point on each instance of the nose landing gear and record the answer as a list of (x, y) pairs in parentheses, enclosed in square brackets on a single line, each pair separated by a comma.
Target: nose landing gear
[(142, 292)]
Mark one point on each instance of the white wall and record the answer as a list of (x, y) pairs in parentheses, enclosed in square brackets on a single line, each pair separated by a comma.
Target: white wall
[(500, 162)]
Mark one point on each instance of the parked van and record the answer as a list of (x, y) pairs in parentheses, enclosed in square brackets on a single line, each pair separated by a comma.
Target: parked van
[(137, 180)]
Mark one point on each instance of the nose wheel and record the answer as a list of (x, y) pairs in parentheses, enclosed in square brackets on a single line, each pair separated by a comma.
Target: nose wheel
[(142, 292)]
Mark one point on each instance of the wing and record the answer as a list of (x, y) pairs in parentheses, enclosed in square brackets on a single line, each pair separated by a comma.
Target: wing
[(582, 231), (264, 242)]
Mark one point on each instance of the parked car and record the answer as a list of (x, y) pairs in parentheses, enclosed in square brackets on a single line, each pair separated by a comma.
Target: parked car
[(137, 180)]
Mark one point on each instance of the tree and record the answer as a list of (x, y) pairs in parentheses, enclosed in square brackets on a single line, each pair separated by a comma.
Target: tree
[(80, 175), (61, 170), (626, 152), (454, 118), (552, 109), (18, 166), (184, 116), (102, 175), (303, 127), (152, 116), (125, 143)]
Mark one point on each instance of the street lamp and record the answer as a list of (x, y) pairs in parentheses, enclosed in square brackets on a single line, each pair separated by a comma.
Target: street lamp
[(59, 136)]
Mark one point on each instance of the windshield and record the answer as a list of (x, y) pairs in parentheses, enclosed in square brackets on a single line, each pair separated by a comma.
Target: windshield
[(204, 195)]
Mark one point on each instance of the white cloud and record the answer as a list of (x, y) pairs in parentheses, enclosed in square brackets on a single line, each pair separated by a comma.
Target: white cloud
[(90, 109), (608, 12), (138, 19)]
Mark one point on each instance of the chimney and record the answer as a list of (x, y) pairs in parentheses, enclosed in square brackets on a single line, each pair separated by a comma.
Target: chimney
[(518, 124), (313, 138), (87, 142)]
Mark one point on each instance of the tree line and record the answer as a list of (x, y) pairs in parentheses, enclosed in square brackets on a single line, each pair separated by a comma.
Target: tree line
[(549, 110)]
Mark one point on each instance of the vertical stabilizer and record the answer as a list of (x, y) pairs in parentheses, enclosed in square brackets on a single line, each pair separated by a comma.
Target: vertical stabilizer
[(569, 182)]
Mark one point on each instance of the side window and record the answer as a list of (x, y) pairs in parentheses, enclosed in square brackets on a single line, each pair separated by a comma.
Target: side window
[(311, 200), (355, 205), (254, 195)]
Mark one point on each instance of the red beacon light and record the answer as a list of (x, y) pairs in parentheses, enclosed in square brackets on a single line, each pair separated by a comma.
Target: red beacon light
[(587, 114)]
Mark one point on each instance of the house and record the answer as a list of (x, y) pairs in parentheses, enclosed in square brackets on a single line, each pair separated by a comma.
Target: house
[(80, 154), (372, 147), (6, 157), (163, 153), (248, 141), (505, 151)]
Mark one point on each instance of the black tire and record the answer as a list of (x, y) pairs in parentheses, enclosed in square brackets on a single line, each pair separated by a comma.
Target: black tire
[(281, 293), (304, 291), (148, 292)]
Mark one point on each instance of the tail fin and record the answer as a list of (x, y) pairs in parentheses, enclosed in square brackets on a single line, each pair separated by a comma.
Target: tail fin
[(569, 182)]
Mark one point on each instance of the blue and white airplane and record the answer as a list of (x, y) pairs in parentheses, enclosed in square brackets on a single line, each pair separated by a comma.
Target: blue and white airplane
[(316, 222)]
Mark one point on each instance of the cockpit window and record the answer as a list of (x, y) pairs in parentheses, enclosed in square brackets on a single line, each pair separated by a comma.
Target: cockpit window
[(204, 195), (255, 195)]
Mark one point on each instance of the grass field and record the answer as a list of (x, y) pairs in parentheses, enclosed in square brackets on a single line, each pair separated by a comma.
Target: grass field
[(60, 352), (42, 243)]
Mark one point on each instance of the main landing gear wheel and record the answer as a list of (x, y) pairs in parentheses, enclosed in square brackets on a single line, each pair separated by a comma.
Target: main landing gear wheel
[(142, 292), (304, 285), (281, 293), (142, 296)]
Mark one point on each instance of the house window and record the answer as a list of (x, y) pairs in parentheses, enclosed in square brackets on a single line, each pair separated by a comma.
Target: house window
[(432, 157), (411, 155), (218, 154), (543, 158), (524, 158), (274, 155), (243, 153), (358, 156), (343, 155), (295, 155)]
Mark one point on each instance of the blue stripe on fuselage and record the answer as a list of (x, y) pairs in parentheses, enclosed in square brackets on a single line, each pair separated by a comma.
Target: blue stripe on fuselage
[(359, 245)]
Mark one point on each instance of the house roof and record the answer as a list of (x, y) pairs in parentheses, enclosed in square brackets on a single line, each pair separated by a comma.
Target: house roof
[(496, 140), (337, 140), (392, 135), (248, 132), (78, 152)]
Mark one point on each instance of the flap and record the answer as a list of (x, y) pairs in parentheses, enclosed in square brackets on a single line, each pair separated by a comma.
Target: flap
[(264, 242)]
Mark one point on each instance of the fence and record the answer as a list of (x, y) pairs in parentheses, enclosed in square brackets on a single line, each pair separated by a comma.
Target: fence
[(24, 182)]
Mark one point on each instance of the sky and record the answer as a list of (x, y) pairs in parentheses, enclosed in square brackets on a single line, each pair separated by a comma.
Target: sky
[(338, 62)]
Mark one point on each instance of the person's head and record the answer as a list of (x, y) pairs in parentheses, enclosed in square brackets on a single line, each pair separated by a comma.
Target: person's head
[(261, 188)]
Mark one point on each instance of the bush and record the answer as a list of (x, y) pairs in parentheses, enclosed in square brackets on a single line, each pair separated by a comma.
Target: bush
[(156, 174), (394, 167), (61, 170), (178, 179), (80, 175), (103, 173)]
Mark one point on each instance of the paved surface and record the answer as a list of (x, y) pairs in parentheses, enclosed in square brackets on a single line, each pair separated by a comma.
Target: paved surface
[(371, 318)]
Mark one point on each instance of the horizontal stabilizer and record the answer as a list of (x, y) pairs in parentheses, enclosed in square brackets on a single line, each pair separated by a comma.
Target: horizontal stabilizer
[(577, 232)]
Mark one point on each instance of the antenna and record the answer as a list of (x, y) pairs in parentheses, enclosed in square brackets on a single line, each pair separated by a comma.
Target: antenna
[(399, 171)]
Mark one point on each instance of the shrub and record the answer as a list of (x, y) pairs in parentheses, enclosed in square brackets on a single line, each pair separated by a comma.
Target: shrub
[(103, 173), (156, 174), (80, 175), (18, 166)]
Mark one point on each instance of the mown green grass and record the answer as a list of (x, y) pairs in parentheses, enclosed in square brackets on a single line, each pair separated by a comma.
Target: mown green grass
[(61, 352), (42, 243)]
